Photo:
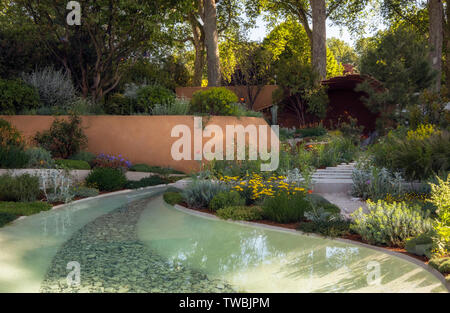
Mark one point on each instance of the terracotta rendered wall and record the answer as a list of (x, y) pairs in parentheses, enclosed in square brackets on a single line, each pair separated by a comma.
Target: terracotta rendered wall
[(141, 139), (263, 100)]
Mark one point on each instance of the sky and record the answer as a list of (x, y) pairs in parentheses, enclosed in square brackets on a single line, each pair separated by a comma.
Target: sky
[(258, 33)]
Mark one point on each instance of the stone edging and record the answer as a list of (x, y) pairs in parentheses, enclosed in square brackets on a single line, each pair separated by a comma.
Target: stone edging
[(426, 267)]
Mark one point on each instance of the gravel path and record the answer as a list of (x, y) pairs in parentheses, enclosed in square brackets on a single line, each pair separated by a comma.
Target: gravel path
[(347, 203), (112, 259)]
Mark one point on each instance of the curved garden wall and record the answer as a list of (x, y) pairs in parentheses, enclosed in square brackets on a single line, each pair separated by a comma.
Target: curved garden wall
[(141, 139)]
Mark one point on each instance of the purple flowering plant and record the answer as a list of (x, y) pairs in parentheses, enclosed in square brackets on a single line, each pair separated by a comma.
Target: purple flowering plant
[(112, 161)]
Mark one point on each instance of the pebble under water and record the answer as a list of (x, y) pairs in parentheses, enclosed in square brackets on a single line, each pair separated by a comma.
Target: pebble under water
[(113, 259)]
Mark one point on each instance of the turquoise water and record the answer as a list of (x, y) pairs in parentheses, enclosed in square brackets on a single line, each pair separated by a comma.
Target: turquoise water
[(134, 243)]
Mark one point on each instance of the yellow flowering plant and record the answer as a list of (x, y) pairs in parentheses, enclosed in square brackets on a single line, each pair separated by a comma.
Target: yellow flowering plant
[(255, 187)]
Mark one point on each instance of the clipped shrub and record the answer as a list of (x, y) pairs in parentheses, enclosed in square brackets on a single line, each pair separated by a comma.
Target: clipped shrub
[(13, 157), (173, 197), (153, 169), (17, 97), (149, 96), (84, 192), (39, 158), (214, 101), (226, 199), (285, 208), (64, 138), (390, 223), (106, 179), (240, 213), (54, 86), (146, 182), (24, 208), (199, 193), (73, 164), (24, 188), (84, 156), (6, 218)]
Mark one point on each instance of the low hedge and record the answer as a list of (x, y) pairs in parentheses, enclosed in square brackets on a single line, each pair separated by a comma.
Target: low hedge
[(24, 208), (153, 169), (6, 218), (146, 182), (106, 179), (73, 164), (173, 197)]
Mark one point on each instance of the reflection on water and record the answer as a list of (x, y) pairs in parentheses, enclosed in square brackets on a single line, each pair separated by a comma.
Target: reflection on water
[(262, 260)]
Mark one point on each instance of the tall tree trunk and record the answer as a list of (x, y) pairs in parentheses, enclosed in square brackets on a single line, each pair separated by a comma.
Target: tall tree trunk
[(211, 42), (319, 37), (447, 48), (198, 40), (436, 14)]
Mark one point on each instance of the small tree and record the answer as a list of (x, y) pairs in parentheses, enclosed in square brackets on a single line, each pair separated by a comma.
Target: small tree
[(64, 138), (300, 89), (399, 59)]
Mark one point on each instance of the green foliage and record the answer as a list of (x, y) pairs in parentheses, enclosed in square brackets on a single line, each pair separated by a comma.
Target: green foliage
[(375, 183), (342, 51), (39, 158), (23, 188), (416, 157), (17, 97), (6, 218), (300, 89), (240, 213), (146, 182), (64, 138), (441, 264), (199, 193), (106, 179), (151, 95), (312, 132), (118, 104), (84, 156), (440, 198), (173, 198), (338, 150), (177, 107), (329, 227), (13, 157), (169, 72), (24, 208), (390, 223), (226, 199), (84, 192), (73, 164), (420, 245), (9, 135), (399, 58), (153, 169), (285, 208), (214, 101)]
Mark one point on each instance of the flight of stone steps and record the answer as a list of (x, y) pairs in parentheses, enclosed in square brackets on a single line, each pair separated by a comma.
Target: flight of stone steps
[(336, 179)]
